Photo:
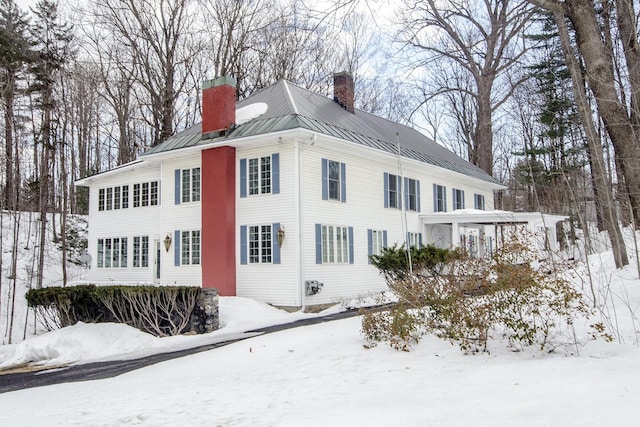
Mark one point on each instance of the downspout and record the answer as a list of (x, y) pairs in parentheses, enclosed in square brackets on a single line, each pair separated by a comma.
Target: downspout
[(161, 205), (298, 160)]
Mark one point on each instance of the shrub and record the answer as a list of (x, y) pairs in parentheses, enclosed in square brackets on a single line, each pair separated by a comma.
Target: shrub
[(161, 311), (464, 299)]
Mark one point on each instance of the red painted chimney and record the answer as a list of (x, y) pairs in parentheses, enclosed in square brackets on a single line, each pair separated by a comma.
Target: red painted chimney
[(218, 104), (343, 90)]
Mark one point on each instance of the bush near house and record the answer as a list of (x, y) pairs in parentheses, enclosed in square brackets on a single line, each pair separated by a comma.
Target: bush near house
[(465, 299), (161, 311)]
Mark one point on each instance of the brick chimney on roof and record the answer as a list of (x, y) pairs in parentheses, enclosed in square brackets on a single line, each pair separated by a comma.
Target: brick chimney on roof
[(218, 105), (343, 90)]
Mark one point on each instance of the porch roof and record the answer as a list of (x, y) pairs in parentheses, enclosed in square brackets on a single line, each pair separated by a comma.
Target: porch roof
[(495, 217)]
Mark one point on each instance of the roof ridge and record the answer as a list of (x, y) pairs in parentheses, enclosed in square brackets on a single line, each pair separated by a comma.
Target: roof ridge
[(290, 100)]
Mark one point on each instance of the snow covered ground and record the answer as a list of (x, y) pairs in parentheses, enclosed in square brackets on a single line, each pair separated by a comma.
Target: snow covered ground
[(322, 375)]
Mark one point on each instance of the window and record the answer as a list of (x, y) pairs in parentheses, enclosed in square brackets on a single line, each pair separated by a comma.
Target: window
[(136, 195), (334, 244), (190, 185), (125, 197), (116, 198), (458, 199), (334, 180), (190, 247), (412, 189), (154, 193), (101, 199), (141, 251), (439, 198), (112, 252), (376, 241), (392, 191), (260, 175), (145, 194), (109, 198), (478, 201), (260, 244), (414, 239)]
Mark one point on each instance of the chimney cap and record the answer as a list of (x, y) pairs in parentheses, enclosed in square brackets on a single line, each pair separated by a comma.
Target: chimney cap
[(220, 81)]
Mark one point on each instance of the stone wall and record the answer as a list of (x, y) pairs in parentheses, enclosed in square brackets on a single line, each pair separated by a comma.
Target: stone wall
[(205, 317)]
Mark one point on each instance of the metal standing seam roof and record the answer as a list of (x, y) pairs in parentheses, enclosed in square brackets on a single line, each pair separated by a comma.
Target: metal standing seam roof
[(291, 107)]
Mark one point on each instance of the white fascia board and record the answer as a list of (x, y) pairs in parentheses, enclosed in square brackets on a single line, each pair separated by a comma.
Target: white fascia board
[(85, 182), (491, 217)]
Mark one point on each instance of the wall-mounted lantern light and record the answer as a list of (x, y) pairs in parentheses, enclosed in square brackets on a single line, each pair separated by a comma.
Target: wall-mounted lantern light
[(167, 242), (280, 236)]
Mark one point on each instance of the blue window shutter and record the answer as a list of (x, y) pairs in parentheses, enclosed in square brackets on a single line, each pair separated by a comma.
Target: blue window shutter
[(243, 177), (318, 244), (406, 192), (243, 244), (343, 182), (275, 174), (384, 238), (176, 248), (275, 247), (399, 190), (177, 187), (386, 190), (418, 194), (419, 240), (435, 198), (462, 201), (369, 243), (455, 199), (325, 179), (350, 245), (408, 240)]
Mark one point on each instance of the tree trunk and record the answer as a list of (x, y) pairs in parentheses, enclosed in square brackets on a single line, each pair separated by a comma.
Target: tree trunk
[(594, 147), (601, 80)]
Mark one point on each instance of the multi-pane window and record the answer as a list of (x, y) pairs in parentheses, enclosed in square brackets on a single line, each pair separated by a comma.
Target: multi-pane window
[(478, 201), (393, 191), (141, 251), (190, 185), (335, 244), (260, 244), (414, 239), (439, 198), (116, 198), (145, 194), (112, 252), (259, 175), (125, 197), (109, 199), (377, 242), (136, 195), (153, 196), (458, 199), (334, 180), (190, 247), (412, 194), (113, 198)]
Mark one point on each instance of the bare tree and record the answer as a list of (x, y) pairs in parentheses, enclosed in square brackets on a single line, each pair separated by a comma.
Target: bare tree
[(477, 40)]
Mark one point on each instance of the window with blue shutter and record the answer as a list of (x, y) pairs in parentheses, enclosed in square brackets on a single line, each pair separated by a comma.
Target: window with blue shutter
[(334, 182), (439, 198), (260, 175), (458, 199)]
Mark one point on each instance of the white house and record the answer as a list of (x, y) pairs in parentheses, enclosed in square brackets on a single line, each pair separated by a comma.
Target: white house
[(285, 190)]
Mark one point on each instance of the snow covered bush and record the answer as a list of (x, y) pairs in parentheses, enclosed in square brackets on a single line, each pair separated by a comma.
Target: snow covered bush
[(468, 300)]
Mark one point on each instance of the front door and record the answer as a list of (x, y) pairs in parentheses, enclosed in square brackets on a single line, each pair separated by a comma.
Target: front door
[(157, 256)]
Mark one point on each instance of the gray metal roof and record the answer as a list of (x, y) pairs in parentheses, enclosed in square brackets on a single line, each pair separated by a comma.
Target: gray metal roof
[(291, 107)]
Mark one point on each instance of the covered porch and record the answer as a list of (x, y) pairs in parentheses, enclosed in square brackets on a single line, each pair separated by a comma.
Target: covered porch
[(480, 232)]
